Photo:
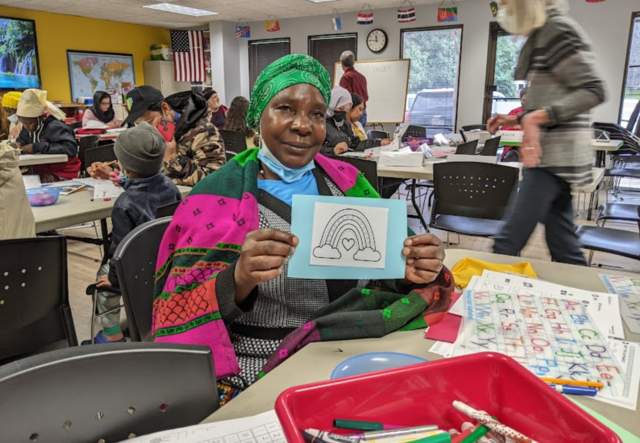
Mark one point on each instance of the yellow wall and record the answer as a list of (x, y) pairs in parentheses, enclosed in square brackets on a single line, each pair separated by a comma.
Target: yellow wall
[(57, 33)]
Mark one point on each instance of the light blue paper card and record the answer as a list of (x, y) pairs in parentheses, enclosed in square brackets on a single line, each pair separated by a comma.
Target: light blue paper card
[(346, 238)]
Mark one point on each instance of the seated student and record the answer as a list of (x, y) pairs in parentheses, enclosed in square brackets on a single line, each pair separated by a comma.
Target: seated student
[(354, 115), (510, 153), (237, 120), (196, 148), (102, 111), (44, 132), (140, 152), (223, 261), (16, 216), (11, 126), (218, 110), (340, 137)]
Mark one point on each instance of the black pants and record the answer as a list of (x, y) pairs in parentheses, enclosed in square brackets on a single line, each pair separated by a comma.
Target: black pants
[(543, 198)]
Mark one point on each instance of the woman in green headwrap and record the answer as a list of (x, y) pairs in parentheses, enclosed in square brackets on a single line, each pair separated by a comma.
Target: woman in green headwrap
[(222, 267)]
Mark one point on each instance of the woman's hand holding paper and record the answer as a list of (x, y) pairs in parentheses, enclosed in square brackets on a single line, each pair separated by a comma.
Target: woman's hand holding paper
[(424, 254)]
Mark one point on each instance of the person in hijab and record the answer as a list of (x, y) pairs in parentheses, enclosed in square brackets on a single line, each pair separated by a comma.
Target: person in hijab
[(101, 111), (218, 110), (222, 267), (11, 126), (340, 137), (354, 115), (558, 63), (44, 132)]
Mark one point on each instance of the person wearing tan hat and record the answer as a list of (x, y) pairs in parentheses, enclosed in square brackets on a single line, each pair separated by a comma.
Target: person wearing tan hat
[(11, 127), (44, 132), (140, 152)]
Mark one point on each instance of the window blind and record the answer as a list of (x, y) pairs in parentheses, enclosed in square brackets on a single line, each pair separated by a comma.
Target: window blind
[(327, 49), (264, 52)]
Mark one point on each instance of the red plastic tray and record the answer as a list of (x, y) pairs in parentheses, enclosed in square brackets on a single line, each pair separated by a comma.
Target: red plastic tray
[(422, 394)]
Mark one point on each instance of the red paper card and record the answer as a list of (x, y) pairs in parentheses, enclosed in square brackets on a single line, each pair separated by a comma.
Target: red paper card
[(447, 330)]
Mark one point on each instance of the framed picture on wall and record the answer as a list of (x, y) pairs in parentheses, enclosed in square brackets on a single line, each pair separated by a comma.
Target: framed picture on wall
[(99, 71)]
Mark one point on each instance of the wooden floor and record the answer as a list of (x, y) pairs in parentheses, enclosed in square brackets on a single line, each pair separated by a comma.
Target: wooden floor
[(84, 260)]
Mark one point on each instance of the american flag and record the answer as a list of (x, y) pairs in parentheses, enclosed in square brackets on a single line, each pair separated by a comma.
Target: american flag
[(188, 56)]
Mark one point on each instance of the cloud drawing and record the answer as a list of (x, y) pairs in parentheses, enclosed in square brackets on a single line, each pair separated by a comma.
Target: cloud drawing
[(367, 254), (327, 251)]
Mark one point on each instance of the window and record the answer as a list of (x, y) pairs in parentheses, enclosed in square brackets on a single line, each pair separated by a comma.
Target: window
[(502, 92), (433, 80), (327, 49), (631, 89), (264, 52)]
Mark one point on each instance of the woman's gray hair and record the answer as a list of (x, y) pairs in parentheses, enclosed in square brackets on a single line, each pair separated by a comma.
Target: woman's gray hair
[(530, 15)]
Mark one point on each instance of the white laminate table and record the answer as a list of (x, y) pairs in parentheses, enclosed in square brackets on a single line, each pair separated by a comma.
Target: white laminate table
[(602, 147), (41, 159), (316, 361)]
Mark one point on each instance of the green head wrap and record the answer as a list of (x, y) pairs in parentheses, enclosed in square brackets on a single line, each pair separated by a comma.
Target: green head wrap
[(290, 70)]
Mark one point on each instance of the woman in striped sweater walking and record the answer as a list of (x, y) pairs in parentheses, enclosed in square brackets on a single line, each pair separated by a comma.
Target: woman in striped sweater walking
[(558, 63)]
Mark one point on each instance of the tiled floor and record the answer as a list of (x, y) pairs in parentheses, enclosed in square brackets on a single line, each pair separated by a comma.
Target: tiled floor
[(84, 261)]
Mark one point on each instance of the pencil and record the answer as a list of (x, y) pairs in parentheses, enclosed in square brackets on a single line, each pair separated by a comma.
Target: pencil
[(110, 163), (584, 384)]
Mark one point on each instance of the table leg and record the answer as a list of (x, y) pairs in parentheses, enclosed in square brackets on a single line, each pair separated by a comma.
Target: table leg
[(415, 205), (105, 239)]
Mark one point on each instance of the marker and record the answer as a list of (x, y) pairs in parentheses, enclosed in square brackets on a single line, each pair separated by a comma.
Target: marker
[(445, 437), (584, 384), (575, 390), (359, 425), (372, 435), (477, 434)]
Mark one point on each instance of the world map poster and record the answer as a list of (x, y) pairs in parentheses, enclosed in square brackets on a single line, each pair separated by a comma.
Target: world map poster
[(91, 72)]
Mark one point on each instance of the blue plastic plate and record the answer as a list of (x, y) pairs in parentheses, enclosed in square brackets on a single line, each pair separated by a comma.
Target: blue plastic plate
[(373, 361)]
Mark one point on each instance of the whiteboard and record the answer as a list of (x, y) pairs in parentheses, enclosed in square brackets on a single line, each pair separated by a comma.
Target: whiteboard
[(387, 83)]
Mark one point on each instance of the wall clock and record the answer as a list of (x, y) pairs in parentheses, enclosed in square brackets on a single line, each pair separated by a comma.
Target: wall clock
[(377, 40)]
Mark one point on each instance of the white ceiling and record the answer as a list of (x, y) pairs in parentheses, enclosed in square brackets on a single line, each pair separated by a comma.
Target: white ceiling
[(131, 11)]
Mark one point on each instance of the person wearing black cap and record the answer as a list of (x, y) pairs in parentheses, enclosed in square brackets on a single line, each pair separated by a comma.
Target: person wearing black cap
[(140, 152), (196, 149), (219, 111)]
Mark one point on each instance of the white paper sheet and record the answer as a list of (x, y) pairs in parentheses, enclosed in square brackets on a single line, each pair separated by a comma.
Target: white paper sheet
[(441, 348), (628, 354), (262, 428), (31, 181), (106, 190), (349, 236), (95, 124), (628, 288), (604, 308), (91, 182)]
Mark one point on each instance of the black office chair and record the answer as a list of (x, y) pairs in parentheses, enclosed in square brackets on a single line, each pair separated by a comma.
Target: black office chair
[(473, 128), (369, 168), (84, 144), (491, 147), (135, 264), (612, 241), (106, 393), (167, 210), (471, 198), (103, 154), (468, 148), (618, 212), (34, 309), (234, 141), (372, 134), (415, 131), (75, 125)]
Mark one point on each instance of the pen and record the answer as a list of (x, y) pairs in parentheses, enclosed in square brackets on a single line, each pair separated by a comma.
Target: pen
[(372, 435), (575, 390), (584, 384), (359, 425)]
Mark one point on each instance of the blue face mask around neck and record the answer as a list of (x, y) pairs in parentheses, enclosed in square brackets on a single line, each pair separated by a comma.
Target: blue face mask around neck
[(286, 174)]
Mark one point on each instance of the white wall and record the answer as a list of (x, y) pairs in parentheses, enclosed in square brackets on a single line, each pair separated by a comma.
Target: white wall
[(607, 23)]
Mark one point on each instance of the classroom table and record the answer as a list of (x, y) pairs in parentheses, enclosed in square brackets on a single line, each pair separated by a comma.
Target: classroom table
[(41, 159), (316, 361), (103, 137), (601, 147), (592, 189), (78, 208)]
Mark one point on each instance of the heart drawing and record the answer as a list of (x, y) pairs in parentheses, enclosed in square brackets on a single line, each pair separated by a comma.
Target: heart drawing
[(348, 243)]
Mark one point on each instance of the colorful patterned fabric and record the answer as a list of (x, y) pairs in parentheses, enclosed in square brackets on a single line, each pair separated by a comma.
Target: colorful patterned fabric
[(204, 241), (290, 70)]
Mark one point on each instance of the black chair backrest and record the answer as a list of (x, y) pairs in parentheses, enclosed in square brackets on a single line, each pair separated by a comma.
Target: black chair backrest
[(103, 154), (75, 125), (230, 154), (464, 137), (135, 262), (167, 210), (491, 147), (415, 131), (34, 300), (631, 142), (377, 134), (633, 125), (369, 168), (468, 148), (234, 141), (106, 393), (84, 144), (474, 128), (472, 189)]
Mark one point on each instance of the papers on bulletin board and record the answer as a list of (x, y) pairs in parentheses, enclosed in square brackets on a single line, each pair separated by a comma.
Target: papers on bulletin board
[(262, 428), (628, 288), (604, 308), (552, 337), (348, 238)]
